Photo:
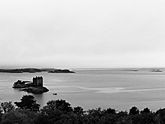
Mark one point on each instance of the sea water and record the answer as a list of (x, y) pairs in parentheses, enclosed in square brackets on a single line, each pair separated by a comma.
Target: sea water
[(93, 88)]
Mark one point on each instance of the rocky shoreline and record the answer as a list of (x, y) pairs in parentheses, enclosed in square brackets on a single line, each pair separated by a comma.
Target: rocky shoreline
[(35, 90)]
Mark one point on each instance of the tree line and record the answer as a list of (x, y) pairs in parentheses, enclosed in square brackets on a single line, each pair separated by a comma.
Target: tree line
[(27, 111)]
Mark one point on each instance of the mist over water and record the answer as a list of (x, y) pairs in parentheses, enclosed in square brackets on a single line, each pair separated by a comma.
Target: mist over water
[(91, 88)]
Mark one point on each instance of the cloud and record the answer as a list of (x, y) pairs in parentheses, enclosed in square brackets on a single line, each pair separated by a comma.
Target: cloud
[(82, 33)]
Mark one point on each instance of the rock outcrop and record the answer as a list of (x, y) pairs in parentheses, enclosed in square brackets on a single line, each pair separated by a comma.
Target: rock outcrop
[(35, 90)]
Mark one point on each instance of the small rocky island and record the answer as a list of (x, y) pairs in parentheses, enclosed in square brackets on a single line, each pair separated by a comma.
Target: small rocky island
[(35, 87)]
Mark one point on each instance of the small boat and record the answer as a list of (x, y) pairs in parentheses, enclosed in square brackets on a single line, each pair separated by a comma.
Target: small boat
[(54, 93)]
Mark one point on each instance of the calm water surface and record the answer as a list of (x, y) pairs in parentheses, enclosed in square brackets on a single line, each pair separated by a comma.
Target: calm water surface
[(94, 88)]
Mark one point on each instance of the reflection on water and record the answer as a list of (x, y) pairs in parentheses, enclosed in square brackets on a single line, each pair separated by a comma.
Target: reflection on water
[(40, 99)]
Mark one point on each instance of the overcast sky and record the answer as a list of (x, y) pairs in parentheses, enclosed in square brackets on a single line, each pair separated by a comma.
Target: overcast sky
[(82, 33)]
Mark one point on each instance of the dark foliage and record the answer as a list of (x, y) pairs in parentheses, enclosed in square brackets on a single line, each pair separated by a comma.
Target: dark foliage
[(28, 102), (7, 106), (145, 111), (19, 116), (61, 112), (134, 111), (78, 110)]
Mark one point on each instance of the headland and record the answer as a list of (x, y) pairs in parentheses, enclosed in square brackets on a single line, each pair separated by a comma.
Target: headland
[(35, 70)]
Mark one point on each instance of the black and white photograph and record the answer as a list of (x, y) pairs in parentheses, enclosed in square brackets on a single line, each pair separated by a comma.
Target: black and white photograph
[(82, 62)]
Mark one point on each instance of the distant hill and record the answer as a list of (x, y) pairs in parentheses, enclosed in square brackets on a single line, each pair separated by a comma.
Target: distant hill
[(34, 70)]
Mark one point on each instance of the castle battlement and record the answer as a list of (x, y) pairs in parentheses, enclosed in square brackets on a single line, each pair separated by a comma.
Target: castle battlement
[(38, 81)]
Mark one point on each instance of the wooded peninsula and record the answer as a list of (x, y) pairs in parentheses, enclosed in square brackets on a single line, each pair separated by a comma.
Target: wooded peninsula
[(35, 70)]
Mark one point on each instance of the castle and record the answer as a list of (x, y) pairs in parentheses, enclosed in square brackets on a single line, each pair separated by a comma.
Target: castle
[(35, 86), (38, 81)]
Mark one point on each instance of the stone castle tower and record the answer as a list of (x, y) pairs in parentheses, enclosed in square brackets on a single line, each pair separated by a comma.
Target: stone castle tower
[(38, 81)]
